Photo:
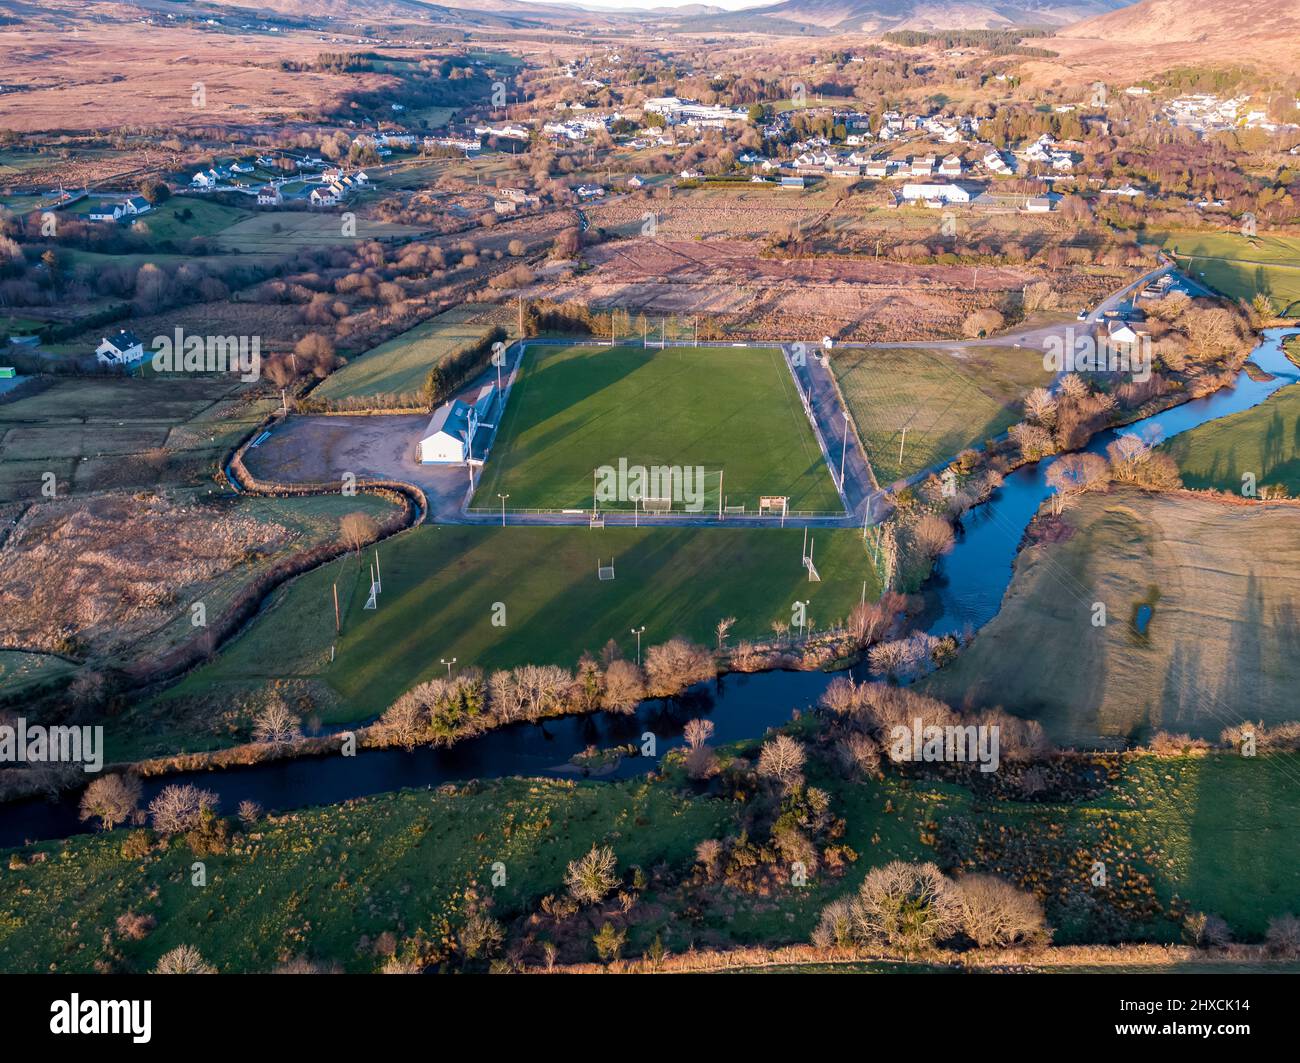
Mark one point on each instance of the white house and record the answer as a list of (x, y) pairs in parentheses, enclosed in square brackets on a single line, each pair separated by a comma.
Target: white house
[(325, 197), (269, 196), (450, 434), (122, 349), (108, 212), (1123, 333), (933, 193), (136, 205), (951, 166), (634, 182)]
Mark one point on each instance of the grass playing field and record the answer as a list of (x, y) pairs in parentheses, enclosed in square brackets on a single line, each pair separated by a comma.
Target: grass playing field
[(1241, 267), (734, 409), (1264, 441), (1221, 645), (399, 366), (946, 400), (441, 584)]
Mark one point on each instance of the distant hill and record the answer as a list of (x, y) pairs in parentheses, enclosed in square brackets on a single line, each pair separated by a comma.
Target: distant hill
[(1222, 22), (879, 16), (1154, 35)]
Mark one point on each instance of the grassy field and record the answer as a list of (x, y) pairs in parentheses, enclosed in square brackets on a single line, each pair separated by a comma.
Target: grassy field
[(283, 232), (1222, 645), (1264, 441), (441, 583), (21, 672), (99, 432), (574, 409), (347, 870), (400, 365), (177, 219), (1215, 834), (946, 402), (1240, 266)]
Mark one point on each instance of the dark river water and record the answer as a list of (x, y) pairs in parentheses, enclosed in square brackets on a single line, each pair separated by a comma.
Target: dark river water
[(966, 591)]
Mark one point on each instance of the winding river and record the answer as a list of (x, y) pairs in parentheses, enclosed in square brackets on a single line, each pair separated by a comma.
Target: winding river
[(965, 592)]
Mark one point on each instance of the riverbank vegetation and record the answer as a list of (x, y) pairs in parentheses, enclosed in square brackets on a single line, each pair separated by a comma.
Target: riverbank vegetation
[(765, 843)]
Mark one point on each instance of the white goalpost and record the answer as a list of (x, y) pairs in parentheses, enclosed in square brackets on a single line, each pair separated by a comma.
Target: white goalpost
[(604, 572), (376, 584), (813, 575), (659, 490)]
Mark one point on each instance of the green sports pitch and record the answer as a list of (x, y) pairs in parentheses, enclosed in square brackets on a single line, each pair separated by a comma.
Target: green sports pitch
[(732, 412)]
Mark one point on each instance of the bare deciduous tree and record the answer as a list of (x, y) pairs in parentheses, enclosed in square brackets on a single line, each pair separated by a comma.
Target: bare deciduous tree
[(723, 628), (676, 664), (933, 535), (276, 723), (183, 959), (994, 913), (358, 529), (1073, 474), (782, 758), (112, 799), (697, 732), (180, 808), (624, 686), (591, 877)]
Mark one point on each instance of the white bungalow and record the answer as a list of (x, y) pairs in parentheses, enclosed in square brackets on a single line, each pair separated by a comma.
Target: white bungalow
[(449, 437), (934, 193)]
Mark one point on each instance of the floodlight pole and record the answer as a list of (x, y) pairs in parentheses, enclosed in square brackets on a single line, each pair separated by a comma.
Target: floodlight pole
[(720, 473), (900, 446), (845, 448), (448, 664), (503, 508), (637, 632)]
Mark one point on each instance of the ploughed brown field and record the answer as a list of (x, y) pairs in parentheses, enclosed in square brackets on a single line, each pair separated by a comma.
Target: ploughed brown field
[(843, 297)]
